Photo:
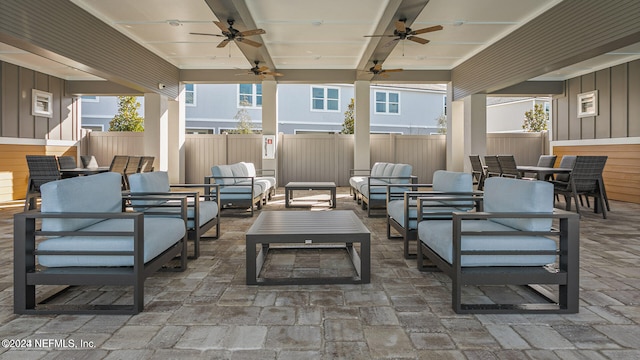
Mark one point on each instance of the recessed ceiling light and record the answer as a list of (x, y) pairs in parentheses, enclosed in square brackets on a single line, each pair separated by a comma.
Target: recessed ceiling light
[(317, 22), (458, 22), (174, 22)]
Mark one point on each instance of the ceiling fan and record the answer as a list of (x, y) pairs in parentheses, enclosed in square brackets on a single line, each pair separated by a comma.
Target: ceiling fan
[(403, 32), (233, 34), (376, 69), (261, 71)]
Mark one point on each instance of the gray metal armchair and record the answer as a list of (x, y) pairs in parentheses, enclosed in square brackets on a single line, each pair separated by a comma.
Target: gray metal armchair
[(42, 169)]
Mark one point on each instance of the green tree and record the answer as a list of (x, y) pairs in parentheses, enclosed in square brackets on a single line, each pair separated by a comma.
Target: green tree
[(347, 126), (536, 119), (244, 125), (127, 118), (442, 124)]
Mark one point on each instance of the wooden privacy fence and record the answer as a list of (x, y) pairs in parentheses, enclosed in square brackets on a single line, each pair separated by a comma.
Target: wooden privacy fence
[(314, 157)]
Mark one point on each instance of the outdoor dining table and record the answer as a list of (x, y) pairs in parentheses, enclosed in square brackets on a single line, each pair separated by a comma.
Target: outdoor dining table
[(83, 171), (543, 173)]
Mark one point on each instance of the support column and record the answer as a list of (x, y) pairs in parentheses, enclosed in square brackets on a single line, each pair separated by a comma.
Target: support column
[(466, 131), (156, 129), (270, 119), (362, 126), (176, 138)]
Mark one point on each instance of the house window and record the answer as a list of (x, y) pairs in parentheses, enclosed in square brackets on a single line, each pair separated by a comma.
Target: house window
[(387, 102), (190, 94), (90, 98), (250, 95), (325, 99)]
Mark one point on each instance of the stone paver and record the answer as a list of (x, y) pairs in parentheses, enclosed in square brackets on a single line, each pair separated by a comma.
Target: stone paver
[(207, 312)]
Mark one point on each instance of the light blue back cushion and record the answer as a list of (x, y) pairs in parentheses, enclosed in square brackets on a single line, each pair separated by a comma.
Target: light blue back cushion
[(378, 169), (155, 181), (83, 194), (402, 171), (250, 169), (516, 195), (239, 170), (451, 181), (388, 170), (222, 171)]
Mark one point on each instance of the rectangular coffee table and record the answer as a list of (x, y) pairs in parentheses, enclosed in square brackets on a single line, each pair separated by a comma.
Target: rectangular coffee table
[(288, 190), (308, 230)]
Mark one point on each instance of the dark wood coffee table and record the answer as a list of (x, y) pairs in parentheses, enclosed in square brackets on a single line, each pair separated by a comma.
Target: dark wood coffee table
[(308, 230), (288, 190)]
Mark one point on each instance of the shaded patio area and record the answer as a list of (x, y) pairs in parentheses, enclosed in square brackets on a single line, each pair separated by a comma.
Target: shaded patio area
[(208, 311)]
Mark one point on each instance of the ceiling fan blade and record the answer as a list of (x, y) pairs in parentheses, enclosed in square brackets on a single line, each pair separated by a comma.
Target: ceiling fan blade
[(223, 43), (263, 69), (392, 70), (377, 67), (272, 73), (222, 26), (207, 34), (426, 30), (401, 26), (419, 40), (248, 42), (252, 32)]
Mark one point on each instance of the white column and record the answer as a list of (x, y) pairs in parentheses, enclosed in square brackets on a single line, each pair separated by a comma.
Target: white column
[(361, 152), (177, 119), (270, 119), (466, 131), (156, 129)]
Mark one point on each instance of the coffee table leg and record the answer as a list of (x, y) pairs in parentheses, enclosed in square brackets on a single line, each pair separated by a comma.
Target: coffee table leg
[(287, 197), (251, 261), (333, 198)]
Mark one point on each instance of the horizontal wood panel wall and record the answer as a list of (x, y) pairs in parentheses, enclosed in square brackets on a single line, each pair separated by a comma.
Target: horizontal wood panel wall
[(14, 172), (618, 106), (621, 172), (525, 147), (16, 119)]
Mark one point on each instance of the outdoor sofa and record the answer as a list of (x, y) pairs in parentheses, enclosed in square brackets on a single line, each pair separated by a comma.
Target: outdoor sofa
[(511, 243), (86, 239), (240, 185), (402, 211), (369, 187), (202, 210)]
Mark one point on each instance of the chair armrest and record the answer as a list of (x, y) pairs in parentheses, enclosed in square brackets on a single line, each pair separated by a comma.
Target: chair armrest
[(265, 172), (211, 191), (475, 197), (399, 196)]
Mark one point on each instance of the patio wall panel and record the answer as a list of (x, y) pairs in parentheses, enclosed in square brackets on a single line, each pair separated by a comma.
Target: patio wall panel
[(201, 153), (105, 145), (525, 147)]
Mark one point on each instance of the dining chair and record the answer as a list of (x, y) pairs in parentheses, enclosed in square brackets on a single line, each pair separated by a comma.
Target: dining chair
[(508, 166), (133, 166), (89, 161), (119, 164), (546, 161), (146, 164), (67, 162), (42, 169), (477, 170), (585, 179), (493, 166)]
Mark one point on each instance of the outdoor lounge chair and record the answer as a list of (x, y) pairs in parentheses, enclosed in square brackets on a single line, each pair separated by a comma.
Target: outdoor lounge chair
[(402, 211), (240, 187), (509, 244), (202, 209), (371, 190), (86, 239)]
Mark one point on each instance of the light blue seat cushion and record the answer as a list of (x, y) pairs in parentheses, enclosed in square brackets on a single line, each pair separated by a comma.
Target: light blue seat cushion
[(265, 185), (239, 192), (219, 171), (379, 189), (517, 195), (356, 181), (438, 235), (395, 209), (159, 235), (269, 179), (83, 194)]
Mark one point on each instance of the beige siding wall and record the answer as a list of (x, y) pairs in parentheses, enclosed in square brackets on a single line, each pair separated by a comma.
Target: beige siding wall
[(525, 147), (315, 157)]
